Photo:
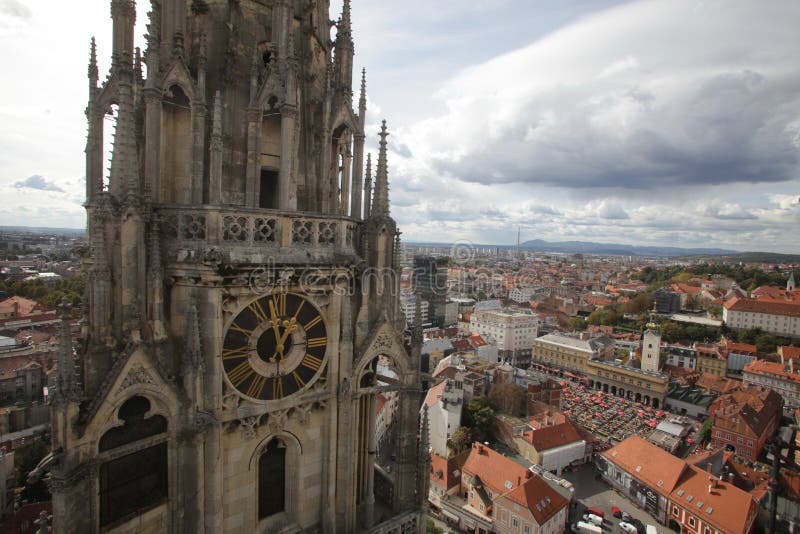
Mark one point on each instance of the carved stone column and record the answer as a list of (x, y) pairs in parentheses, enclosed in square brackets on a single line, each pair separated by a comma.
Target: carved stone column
[(288, 118)]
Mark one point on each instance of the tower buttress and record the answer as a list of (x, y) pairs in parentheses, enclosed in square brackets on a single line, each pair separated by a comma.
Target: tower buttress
[(123, 15), (344, 51)]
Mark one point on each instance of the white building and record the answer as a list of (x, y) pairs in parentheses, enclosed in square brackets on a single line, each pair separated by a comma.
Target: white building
[(512, 331), (445, 402), (522, 294), (780, 318), (781, 378), (409, 306), (651, 349)]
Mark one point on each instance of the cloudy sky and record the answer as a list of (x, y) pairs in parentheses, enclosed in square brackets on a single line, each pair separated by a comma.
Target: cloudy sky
[(669, 122)]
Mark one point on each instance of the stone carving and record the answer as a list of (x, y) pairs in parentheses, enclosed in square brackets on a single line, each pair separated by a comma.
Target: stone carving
[(277, 421), (383, 341), (212, 256), (204, 420), (230, 400), (137, 375), (344, 387), (302, 412), (249, 426)]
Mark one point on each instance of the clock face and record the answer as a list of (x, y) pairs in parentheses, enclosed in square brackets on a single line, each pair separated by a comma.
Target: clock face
[(275, 346)]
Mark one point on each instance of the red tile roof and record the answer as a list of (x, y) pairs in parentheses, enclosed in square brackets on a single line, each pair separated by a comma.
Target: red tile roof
[(447, 473), (765, 368), (551, 437), (435, 393), (748, 412), (721, 504), (494, 469), (537, 496), (764, 306)]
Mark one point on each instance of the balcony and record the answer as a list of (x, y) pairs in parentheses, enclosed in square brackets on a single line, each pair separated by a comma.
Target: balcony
[(254, 236)]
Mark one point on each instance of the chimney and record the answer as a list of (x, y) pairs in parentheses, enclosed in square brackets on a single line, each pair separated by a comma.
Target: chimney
[(519, 481), (709, 488)]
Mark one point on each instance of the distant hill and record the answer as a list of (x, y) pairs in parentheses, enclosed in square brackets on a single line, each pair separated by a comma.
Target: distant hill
[(44, 230), (588, 247), (748, 257)]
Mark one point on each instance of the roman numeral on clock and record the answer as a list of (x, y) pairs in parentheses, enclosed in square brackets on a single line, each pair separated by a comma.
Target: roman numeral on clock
[(316, 342), (312, 362), (235, 354), (240, 373), (277, 388), (256, 386)]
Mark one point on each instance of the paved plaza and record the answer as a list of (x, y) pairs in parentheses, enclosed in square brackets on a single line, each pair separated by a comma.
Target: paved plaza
[(590, 492)]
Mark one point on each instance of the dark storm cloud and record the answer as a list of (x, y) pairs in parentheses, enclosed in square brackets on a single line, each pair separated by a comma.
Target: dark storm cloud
[(729, 128)]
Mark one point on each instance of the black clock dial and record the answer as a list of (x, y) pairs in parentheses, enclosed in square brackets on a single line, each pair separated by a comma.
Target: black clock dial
[(275, 346)]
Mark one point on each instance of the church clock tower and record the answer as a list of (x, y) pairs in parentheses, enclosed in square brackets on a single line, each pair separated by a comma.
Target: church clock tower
[(242, 287)]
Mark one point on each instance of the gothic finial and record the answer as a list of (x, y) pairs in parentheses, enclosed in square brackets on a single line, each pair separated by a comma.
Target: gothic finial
[(137, 63), (153, 36), (93, 74), (202, 52), (362, 99), (177, 44), (380, 203), (345, 25), (368, 187), (216, 123), (194, 354), (65, 367)]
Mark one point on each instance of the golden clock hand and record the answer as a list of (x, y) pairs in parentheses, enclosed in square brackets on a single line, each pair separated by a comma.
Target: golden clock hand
[(289, 327), (279, 339)]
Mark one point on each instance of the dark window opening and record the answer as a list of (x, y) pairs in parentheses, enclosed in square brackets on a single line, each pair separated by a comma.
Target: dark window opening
[(272, 480), (126, 487), (266, 56), (268, 193), (132, 483), (136, 427)]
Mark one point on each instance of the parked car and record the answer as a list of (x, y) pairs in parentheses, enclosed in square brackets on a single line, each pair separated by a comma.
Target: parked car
[(593, 519), (628, 518), (627, 527), (616, 512), (596, 511), (586, 528)]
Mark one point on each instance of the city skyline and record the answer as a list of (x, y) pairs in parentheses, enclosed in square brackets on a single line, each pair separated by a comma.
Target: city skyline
[(648, 122)]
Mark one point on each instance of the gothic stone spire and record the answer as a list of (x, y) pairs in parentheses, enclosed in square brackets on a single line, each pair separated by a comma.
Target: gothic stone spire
[(380, 202)]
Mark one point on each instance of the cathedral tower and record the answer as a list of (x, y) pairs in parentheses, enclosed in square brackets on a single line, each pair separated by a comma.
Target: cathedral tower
[(242, 286)]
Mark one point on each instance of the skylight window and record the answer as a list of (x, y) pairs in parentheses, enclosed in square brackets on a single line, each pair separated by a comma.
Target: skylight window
[(680, 493), (689, 498), (709, 510)]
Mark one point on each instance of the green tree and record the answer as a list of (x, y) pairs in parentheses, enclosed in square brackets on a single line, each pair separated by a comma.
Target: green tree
[(508, 398), (577, 323), (432, 528), (480, 418), (461, 440)]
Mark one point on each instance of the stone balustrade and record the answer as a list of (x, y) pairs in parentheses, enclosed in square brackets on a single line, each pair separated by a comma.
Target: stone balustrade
[(241, 230)]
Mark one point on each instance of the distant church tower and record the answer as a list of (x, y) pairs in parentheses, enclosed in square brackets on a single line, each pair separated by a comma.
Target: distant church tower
[(651, 347), (790, 284), (242, 285)]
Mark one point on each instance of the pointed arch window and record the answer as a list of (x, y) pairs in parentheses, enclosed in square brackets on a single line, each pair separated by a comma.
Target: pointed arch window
[(133, 475), (272, 479)]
